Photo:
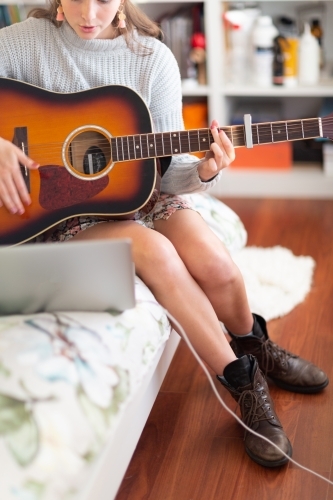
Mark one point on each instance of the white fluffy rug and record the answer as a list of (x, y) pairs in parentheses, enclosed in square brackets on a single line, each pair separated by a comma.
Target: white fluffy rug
[(276, 280)]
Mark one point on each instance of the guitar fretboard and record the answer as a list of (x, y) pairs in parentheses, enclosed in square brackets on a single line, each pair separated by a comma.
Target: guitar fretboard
[(133, 147)]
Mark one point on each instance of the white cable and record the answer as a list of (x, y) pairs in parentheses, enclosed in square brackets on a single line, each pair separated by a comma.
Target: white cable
[(211, 381)]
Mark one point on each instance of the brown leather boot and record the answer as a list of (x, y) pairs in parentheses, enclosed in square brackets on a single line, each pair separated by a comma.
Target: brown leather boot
[(288, 371), (257, 412)]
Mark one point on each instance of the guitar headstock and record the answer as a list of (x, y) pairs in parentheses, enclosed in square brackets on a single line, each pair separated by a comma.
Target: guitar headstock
[(327, 122)]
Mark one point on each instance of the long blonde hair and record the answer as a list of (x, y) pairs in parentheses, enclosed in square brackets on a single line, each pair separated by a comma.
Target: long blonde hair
[(136, 20)]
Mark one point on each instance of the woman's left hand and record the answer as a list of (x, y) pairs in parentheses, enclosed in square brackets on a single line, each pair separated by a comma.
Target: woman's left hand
[(220, 155)]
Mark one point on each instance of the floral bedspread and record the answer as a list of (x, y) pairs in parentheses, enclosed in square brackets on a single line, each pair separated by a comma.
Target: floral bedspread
[(66, 378)]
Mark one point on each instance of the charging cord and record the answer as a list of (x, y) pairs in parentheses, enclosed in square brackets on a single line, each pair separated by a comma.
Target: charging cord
[(211, 381)]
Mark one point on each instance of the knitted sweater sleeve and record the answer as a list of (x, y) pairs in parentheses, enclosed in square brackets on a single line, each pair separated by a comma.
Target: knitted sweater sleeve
[(166, 109)]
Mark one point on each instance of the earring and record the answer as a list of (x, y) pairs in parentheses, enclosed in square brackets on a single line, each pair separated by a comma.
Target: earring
[(121, 17), (60, 13)]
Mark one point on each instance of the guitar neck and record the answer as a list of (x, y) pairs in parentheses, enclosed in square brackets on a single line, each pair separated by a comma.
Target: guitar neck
[(154, 145)]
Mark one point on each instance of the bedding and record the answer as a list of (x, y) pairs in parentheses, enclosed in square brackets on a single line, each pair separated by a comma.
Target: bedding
[(67, 380)]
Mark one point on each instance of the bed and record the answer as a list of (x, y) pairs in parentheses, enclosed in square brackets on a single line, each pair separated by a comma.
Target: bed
[(76, 388)]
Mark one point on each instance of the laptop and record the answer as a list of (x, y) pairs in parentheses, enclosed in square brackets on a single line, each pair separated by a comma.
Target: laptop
[(69, 276)]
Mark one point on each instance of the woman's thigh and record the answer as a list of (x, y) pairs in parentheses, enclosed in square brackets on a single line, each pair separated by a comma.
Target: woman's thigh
[(153, 254), (201, 250)]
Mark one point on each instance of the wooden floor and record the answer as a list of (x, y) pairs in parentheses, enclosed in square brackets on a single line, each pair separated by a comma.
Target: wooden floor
[(191, 448)]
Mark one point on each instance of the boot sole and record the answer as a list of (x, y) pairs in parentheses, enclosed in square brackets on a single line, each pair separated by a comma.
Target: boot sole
[(297, 388), (267, 463)]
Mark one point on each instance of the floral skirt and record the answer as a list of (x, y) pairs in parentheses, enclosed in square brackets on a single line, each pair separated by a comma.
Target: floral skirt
[(166, 205)]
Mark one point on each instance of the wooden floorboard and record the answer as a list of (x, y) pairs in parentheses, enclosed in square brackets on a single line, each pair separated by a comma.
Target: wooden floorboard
[(191, 448)]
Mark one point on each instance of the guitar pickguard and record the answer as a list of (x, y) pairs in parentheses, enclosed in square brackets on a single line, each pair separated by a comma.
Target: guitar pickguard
[(60, 189)]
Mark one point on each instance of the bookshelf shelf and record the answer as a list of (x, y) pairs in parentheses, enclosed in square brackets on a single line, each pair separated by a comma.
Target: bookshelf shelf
[(299, 182), (324, 89)]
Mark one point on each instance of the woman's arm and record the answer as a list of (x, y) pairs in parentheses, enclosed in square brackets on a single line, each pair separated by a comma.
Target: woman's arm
[(186, 173)]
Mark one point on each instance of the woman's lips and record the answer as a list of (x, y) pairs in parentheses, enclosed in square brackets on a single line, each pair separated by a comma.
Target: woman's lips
[(87, 29)]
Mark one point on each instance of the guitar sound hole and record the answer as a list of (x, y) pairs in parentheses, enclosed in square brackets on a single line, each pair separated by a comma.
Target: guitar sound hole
[(94, 160), (89, 153)]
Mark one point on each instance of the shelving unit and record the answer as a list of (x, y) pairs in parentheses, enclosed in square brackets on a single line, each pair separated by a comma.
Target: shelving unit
[(298, 102)]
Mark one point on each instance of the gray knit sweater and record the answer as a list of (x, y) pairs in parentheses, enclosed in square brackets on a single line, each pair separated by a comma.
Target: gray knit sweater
[(56, 59)]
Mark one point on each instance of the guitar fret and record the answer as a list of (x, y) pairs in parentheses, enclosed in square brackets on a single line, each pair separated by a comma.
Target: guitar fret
[(162, 144), (118, 143), (174, 143), (191, 141), (184, 142), (194, 141), (122, 148), (131, 149), (151, 143), (137, 146), (167, 151), (128, 149), (159, 146), (141, 150), (312, 128), (295, 131), (204, 143), (279, 132), (144, 146), (264, 133), (113, 149)]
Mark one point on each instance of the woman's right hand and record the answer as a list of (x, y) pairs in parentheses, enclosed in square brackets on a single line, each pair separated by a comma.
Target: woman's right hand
[(13, 191)]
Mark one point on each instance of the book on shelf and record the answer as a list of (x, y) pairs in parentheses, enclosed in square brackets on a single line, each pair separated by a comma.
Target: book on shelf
[(178, 28), (10, 14)]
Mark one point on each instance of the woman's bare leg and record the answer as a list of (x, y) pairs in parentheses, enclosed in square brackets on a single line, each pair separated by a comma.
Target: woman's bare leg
[(210, 264), (158, 264)]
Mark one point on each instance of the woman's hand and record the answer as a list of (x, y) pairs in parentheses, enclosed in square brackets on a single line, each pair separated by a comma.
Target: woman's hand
[(220, 155), (13, 191)]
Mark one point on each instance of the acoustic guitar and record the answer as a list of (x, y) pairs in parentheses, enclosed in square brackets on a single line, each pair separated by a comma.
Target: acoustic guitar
[(98, 154)]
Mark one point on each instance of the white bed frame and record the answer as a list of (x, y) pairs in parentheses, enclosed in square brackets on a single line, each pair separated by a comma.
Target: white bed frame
[(113, 462)]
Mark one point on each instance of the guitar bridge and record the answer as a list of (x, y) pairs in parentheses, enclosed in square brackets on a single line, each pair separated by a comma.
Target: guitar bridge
[(21, 141)]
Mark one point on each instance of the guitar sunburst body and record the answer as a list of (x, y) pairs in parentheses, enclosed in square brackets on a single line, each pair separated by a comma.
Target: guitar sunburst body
[(60, 129), (98, 153)]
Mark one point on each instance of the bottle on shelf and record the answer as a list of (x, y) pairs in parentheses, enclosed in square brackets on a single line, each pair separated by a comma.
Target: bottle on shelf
[(278, 61), (289, 44), (309, 58), (317, 31), (263, 36)]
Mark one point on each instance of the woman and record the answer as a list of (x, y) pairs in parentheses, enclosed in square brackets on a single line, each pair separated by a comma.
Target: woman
[(80, 44)]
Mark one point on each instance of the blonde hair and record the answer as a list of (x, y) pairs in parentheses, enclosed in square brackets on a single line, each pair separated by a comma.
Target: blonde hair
[(136, 21)]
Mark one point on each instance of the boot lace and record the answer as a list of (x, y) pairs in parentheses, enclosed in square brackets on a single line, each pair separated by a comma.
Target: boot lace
[(272, 354), (254, 408)]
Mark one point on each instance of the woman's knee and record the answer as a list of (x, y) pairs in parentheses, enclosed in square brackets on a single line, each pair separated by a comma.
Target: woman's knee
[(157, 258), (216, 268)]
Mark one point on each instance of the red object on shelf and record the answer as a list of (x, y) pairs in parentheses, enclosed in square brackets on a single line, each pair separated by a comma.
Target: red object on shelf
[(267, 156), (198, 40)]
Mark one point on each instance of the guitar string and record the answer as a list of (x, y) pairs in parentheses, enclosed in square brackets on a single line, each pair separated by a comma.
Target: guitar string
[(236, 133), (184, 137), (235, 129)]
